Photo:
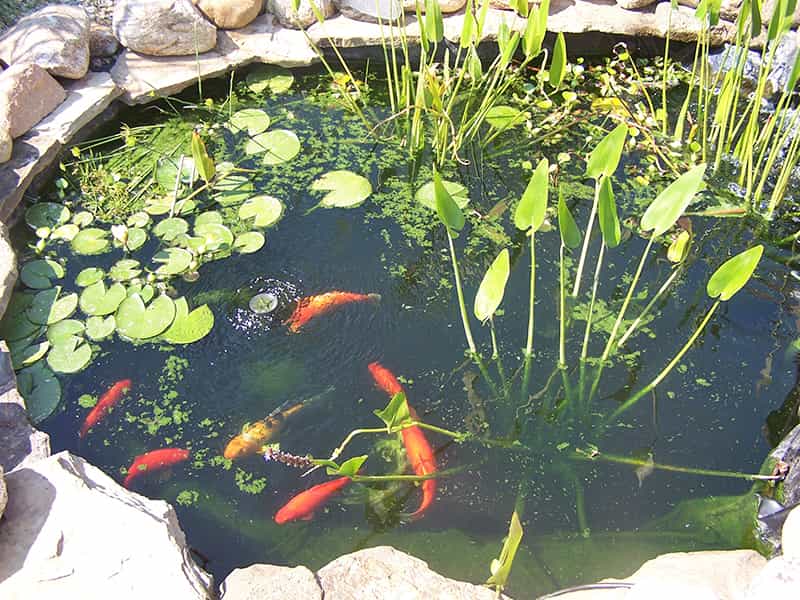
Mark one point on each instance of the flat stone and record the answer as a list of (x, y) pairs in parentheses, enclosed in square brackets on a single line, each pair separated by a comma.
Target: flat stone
[(230, 14), (27, 95), (779, 580), (371, 11), (267, 41), (8, 269), (350, 33), (269, 582), (102, 42), (728, 10), (634, 4), (55, 37), (32, 154), (447, 6), (303, 16), (790, 535), (6, 143), (70, 531), (162, 27), (4, 494)]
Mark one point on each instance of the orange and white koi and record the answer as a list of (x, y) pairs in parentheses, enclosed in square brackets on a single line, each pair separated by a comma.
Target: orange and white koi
[(154, 461), (104, 405), (304, 505), (313, 306)]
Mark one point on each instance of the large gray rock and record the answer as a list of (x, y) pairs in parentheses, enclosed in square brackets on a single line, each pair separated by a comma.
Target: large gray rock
[(779, 579), (728, 10), (55, 37), (70, 531), (102, 42), (163, 27), (371, 10), (3, 493), (634, 4), (8, 269), (304, 16), (6, 143), (447, 6), (27, 95), (230, 14), (269, 582), (790, 536)]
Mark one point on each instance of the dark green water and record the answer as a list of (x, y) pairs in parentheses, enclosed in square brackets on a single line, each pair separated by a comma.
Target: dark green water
[(709, 413)]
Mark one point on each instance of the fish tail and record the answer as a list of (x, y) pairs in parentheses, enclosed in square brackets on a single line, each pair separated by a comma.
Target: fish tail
[(317, 397), (376, 298)]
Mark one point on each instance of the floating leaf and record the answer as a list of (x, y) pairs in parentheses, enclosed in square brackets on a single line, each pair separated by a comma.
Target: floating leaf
[(679, 247), (168, 229), (504, 117), (233, 189), (604, 159), (83, 218), (493, 287), (396, 412), (670, 203), (138, 322), (48, 308), (731, 275), (63, 330), (98, 328), (65, 232), (281, 145), (345, 189), (264, 210), (25, 357), (46, 214), (217, 236), (249, 242), (252, 120), (269, 77), (18, 326), (570, 234), (70, 355), (173, 261), (210, 216), (88, 276), (136, 238), (167, 173), (139, 219), (39, 274), (195, 243), (162, 205), (41, 390), (91, 241), (189, 327), (533, 204), (203, 162), (449, 212), (125, 270), (607, 213), (427, 197), (146, 292), (96, 300)]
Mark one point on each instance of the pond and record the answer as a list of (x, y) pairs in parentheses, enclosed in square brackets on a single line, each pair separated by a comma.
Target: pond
[(583, 517)]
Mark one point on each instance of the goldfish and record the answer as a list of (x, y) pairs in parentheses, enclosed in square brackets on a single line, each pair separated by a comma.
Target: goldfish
[(313, 306), (304, 504), (104, 405), (153, 461), (255, 436), (418, 450)]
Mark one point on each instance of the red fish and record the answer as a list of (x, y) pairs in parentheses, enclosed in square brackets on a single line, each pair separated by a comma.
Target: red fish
[(303, 506), (418, 450), (313, 306), (153, 461), (104, 405)]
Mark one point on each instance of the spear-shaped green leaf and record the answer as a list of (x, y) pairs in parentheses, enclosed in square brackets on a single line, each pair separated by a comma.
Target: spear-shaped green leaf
[(447, 209), (558, 67), (731, 275), (434, 25), (670, 203), (570, 234), (493, 287), (350, 467), (501, 567), (604, 159), (533, 204), (203, 162), (607, 211), (396, 412)]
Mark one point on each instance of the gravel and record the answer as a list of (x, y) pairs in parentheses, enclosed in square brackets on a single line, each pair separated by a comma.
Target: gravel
[(11, 11)]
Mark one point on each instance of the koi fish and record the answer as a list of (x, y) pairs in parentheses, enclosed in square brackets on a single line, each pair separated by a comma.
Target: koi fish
[(313, 306), (255, 436), (304, 504), (418, 450), (153, 461), (104, 405)]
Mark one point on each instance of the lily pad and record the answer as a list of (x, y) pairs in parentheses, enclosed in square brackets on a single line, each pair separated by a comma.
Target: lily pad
[(91, 241), (169, 229), (232, 190), (25, 357), (503, 117), (83, 218), (88, 276), (269, 77), (17, 327), (39, 274), (173, 261), (98, 328), (138, 322), (460, 194), (264, 210), (139, 219), (125, 270), (217, 236), (58, 332), (41, 390), (49, 306), (167, 172), (70, 355), (210, 216), (188, 327), (161, 205), (195, 243), (46, 214), (249, 242), (65, 232), (345, 189), (282, 145), (96, 300), (252, 120), (136, 238), (263, 303), (146, 292)]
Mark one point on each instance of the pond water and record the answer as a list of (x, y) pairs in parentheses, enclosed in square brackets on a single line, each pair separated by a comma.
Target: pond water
[(708, 413)]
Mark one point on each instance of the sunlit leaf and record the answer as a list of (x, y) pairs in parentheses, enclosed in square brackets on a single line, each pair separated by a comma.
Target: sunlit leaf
[(96, 300), (252, 120), (88, 276), (234, 189), (570, 234), (173, 260), (350, 467), (269, 77), (670, 203), (558, 66), (264, 210), (204, 163), (493, 287), (396, 412), (607, 213), (604, 159), (216, 235), (49, 306), (58, 332), (28, 355), (70, 355), (168, 229), (249, 242), (99, 328), (138, 219), (734, 273), (65, 232), (91, 241), (504, 117), (501, 568), (278, 146), (189, 327), (40, 274), (533, 204), (136, 321), (449, 213), (679, 247), (46, 214), (434, 25), (125, 270), (427, 197), (345, 189), (210, 216), (166, 173)]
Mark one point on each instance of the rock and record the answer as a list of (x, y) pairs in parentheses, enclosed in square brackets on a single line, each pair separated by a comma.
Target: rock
[(769, 8), (163, 27), (230, 14), (6, 145), (728, 10), (447, 6), (55, 37), (634, 4), (371, 11), (27, 95), (371, 573), (268, 582), (102, 42), (790, 536), (780, 578), (8, 274), (72, 532), (304, 16), (3, 493)]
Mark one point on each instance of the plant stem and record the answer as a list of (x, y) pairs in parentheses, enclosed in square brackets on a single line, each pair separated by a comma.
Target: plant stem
[(577, 286), (461, 305), (649, 306), (562, 361), (595, 281), (529, 343)]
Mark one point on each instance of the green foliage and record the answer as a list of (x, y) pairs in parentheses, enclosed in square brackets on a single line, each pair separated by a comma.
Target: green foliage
[(605, 157), (396, 412), (533, 204), (39, 274), (189, 327), (492, 287), (345, 189), (607, 213), (501, 567), (672, 201), (449, 213), (734, 273), (570, 234)]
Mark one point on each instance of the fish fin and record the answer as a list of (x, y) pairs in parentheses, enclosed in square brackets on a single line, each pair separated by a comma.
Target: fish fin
[(307, 517)]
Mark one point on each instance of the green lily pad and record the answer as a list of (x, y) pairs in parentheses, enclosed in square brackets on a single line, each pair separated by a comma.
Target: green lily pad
[(217, 236), (25, 357), (173, 261), (125, 270), (96, 300), (46, 214), (17, 345), (252, 120), (70, 355), (136, 238), (504, 117), (39, 274), (269, 77), (146, 292), (210, 216), (281, 145), (232, 190), (264, 210), (88, 276), (169, 229), (41, 390), (188, 327), (17, 327), (48, 308), (248, 242), (138, 322), (167, 172), (98, 328), (425, 194), (195, 243), (345, 189), (58, 332), (65, 232), (91, 241), (83, 218), (139, 219), (161, 205)]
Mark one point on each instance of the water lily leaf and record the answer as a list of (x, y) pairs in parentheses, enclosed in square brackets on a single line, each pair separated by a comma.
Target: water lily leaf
[(173, 260), (125, 270), (41, 390), (169, 229), (533, 204), (264, 210), (161, 205), (138, 322), (249, 242), (83, 218), (345, 189), (217, 236), (70, 355), (65, 232), (58, 332), (188, 327), (607, 213), (48, 308), (25, 357), (396, 412), (195, 243), (232, 190), (18, 326), (269, 77), (731, 275), (252, 120), (88, 276), (279, 146), (493, 287), (449, 213), (603, 160), (46, 214), (166, 172), (98, 328), (570, 234), (96, 300), (146, 292), (136, 238), (140, 219), (504, 117), (670, 203), (427, 197), (91, 241), (210, 216), (39, 274)]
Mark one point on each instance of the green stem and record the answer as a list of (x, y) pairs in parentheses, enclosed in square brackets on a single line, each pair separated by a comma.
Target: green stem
[(529, 343), (461, 305), (562, 361), (580, 508), (587, 332), (495, 354), (649, 307), (577, 286)]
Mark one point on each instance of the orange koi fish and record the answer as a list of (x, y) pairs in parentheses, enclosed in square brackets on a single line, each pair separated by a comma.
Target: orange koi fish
[(104, 405), (153, 461), (304, 504), (313, 306), (418, 450)]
